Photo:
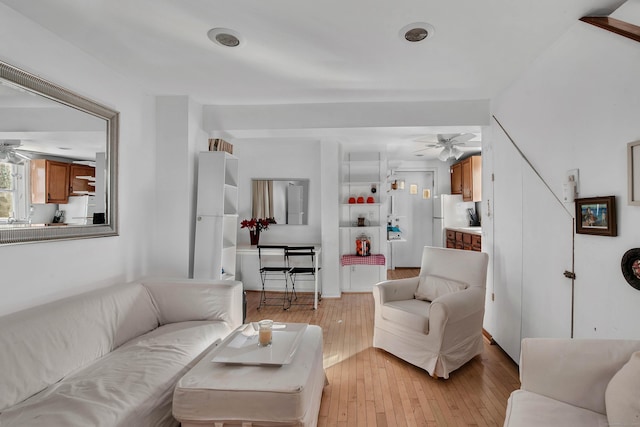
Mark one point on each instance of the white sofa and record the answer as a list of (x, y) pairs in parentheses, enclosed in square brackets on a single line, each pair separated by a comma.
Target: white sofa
[(576, 383), (110, 357)]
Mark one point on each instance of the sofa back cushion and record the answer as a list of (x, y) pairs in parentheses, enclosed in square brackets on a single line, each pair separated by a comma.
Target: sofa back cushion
[(43, 344), (622, 396), (179, 300)]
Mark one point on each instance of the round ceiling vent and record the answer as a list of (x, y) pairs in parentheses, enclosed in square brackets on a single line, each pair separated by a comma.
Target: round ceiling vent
[(224, 37), (416, 32)]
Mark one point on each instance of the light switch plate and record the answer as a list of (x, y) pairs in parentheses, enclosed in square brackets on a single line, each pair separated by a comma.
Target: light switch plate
[(576, 178)]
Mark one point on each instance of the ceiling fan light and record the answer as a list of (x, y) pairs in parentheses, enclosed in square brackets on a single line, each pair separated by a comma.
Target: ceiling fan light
[(445, 154), (14, 159)]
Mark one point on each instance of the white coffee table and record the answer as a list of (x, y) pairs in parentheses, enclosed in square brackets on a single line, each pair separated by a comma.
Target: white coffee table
[(215, 394)]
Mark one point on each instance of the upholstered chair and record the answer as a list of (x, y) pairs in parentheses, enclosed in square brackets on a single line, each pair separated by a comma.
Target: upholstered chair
[(434, 321)]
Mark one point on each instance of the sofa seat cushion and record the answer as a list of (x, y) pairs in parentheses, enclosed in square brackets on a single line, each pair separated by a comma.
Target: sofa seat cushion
[(530, 409), (412, 314), (131, 386)]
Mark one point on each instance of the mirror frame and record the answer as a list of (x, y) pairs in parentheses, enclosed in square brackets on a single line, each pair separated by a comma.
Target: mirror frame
[(56, 93)]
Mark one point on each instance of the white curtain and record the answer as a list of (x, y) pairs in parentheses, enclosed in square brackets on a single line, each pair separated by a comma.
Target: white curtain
[(262, 206)]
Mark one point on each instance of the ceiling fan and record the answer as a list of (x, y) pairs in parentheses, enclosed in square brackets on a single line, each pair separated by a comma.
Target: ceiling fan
[(449, 143), (8, 153)]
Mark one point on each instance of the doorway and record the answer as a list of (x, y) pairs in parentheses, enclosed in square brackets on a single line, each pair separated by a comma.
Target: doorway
[(411, 209)]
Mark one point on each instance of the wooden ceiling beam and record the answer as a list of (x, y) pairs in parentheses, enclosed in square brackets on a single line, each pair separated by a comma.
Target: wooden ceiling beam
[(614, 25)]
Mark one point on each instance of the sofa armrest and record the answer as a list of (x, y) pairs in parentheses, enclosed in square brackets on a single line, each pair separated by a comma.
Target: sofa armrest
[(574, 371), (180, 300), (395, 290)]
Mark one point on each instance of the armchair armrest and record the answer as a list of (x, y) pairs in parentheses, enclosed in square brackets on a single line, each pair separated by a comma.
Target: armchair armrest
[(180, 300), (455, 306), (574, 371), (395, 290)]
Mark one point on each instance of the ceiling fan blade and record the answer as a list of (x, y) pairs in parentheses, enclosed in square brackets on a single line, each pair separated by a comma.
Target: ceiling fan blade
[(419, 150), (427, 138), (451, 138), (462, 138)]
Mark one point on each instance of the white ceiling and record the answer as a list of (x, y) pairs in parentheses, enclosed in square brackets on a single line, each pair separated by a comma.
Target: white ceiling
[(301, 51)]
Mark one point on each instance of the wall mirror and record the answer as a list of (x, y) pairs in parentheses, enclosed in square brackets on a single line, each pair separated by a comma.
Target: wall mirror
[(58, 162), (283, 201)]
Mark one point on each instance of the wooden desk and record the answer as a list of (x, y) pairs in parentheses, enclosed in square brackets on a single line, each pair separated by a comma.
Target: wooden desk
[(247, 270)]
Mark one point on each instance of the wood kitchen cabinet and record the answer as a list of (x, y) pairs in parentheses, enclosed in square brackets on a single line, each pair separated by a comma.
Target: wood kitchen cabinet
[(80, 186), (49, 181), (456, 178), (472, 179), (466, 179)]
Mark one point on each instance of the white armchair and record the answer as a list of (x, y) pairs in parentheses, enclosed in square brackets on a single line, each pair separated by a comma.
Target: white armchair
[(434, 321)]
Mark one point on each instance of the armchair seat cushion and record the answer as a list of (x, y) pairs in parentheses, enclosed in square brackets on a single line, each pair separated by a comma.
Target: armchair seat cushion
[(412, 314), (531, 409)]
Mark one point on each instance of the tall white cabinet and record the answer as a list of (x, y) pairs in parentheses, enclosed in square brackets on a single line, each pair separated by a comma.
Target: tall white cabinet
[(361, 213), (216, 216)]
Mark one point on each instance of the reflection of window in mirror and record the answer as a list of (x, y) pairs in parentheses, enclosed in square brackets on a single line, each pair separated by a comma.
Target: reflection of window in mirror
[(13, 192)]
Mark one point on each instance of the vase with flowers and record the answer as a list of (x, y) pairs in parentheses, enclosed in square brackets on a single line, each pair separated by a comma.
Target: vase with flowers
[(255, 225)]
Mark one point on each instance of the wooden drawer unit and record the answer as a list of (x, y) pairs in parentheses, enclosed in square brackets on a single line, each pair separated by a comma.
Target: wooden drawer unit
[(451, 239), (464, 241), (476, 243)]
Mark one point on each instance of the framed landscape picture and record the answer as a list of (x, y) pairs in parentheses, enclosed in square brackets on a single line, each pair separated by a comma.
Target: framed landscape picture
[(596, 215)]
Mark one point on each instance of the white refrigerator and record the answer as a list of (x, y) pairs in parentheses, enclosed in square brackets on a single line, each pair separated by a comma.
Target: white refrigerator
[(448, 211), (294, 205), (79, 210)]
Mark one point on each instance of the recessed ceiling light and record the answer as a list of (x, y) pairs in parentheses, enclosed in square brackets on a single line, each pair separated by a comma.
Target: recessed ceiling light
[(416, 32), (224, 37)]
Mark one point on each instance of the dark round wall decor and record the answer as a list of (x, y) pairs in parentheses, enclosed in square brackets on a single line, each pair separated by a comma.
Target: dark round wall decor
[(631, 267)]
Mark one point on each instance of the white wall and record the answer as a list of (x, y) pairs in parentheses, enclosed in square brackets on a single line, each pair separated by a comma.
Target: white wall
[(576, 107), (179, 139), (285, 159), (39, 272)]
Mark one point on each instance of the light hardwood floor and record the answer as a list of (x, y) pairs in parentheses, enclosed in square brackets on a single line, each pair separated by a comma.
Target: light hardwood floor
[(370, 387)]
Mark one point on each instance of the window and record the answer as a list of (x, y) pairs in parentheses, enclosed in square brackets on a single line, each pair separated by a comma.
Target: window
[(13, 191)]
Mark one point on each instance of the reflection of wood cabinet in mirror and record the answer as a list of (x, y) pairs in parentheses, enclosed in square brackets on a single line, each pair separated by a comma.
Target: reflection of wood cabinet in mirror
[(49, 181), (79, 183)]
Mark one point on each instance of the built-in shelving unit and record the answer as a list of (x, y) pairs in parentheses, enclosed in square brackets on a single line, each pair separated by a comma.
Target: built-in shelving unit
[(216, 217), (362, 202)]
